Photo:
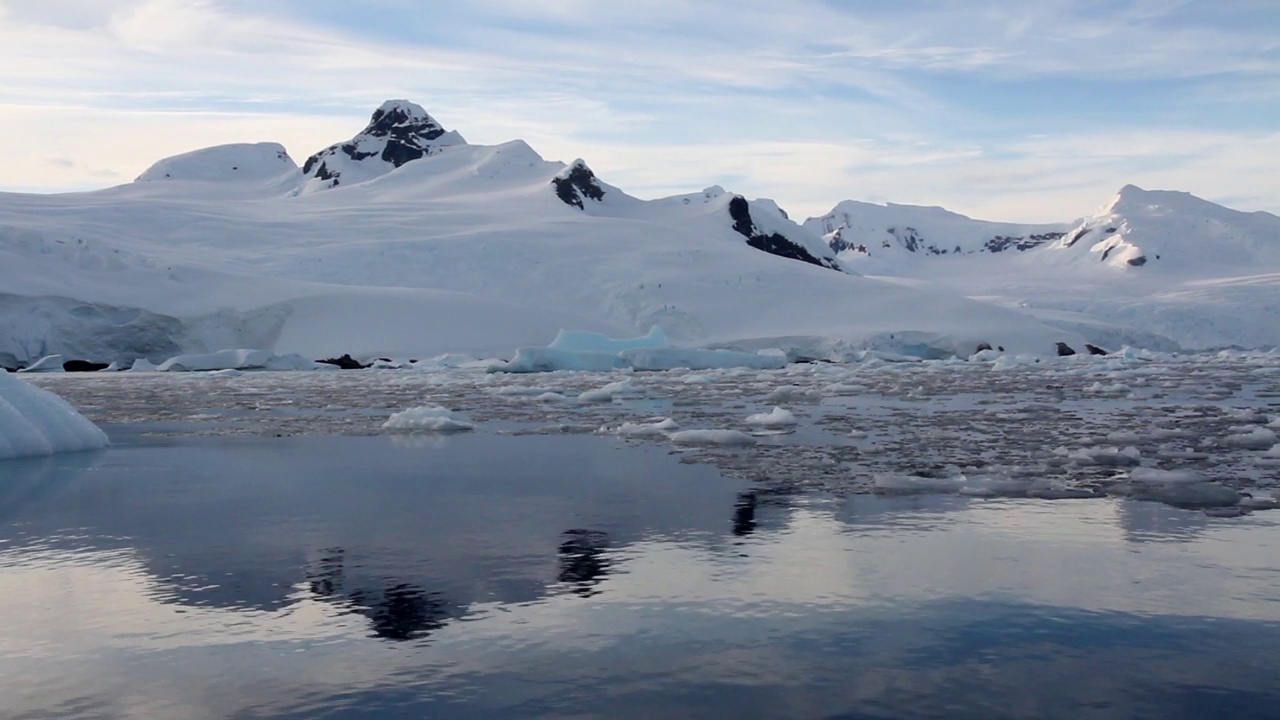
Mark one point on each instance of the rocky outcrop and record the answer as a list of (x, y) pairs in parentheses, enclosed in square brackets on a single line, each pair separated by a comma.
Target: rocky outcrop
[(1065, 350), (577, 184), (84, 366), (773, 243), (346, 362), (399, 132)]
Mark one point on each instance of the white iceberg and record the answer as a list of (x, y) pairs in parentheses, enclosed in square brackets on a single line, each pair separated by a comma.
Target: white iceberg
[(37, 422), (428, 419)]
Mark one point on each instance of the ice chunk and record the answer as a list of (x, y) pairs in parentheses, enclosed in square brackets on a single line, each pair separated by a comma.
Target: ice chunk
[(1164, 477), (608, 392), (1256, 439), (890, 484), (428, 419), (142, 365), (792, 394), (221, 360), (776, 418), (541, 359), (1107, 456), (659, 428), (578, 341), (695, 359), (37, 422), (711, 437), (1192, 495), (48, 363)]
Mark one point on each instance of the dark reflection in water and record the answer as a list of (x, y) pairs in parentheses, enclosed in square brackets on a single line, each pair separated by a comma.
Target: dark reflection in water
[(362, 577), (398, 611), (583, 564)]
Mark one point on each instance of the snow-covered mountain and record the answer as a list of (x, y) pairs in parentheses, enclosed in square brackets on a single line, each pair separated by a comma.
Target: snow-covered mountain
[(1161, 269), (407, 240), (891, 233), (1173, 231)]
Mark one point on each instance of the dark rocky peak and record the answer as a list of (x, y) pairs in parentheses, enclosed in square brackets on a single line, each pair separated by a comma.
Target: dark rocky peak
[(576, 184), (398, 132), (773, 243)]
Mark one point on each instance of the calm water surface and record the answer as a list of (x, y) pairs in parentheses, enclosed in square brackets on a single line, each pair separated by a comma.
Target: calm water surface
[(489, 576)]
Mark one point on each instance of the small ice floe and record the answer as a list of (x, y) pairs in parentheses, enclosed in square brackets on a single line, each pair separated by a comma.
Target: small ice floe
[(1187, 495), (859, 434), (792, 394), (1275, 423), (1048, 490), (712, 437), (1156, 476), (553, 397), (1113, 390), (656, 427), (228, 373), (895, 484), (1256, 500), (428, 419), (1258, 438), (607, 393), (776, 418), (996, 485), (1104, 456), (1246, 415), (521, 391)]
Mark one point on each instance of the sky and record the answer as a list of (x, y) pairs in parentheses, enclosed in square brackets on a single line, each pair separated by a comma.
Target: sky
[(999, 109)]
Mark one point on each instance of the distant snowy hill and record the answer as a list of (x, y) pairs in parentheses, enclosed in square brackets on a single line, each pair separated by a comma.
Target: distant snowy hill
[(1160, 269), (406, 240), (891, 233), (1173, 231)]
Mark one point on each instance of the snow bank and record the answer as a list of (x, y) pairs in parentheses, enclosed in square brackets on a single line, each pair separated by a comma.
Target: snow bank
[(37, 422), (428, 419)]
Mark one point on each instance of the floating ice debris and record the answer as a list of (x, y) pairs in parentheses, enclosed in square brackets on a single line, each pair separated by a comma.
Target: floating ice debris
[(658, 428), (1191, 496), (1107, 456), (608, 392), (228, 373), (1155, 476), (1256, 439), (776, 418), (712, 437), (892, 484), (792, 394), (428, 419)]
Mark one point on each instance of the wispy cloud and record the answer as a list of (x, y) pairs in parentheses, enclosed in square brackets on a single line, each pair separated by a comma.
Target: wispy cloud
[(977, 104)]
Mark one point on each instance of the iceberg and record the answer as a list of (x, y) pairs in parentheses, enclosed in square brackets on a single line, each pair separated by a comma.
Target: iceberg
[(34, 421), (592, 352)]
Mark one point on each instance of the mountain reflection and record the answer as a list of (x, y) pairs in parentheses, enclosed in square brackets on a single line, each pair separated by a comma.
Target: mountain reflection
[(583, 562), (399, 611)]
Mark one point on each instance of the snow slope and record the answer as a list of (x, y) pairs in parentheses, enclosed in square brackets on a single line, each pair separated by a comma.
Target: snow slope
[(870, 236), (408, 241), (1158, 269)]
